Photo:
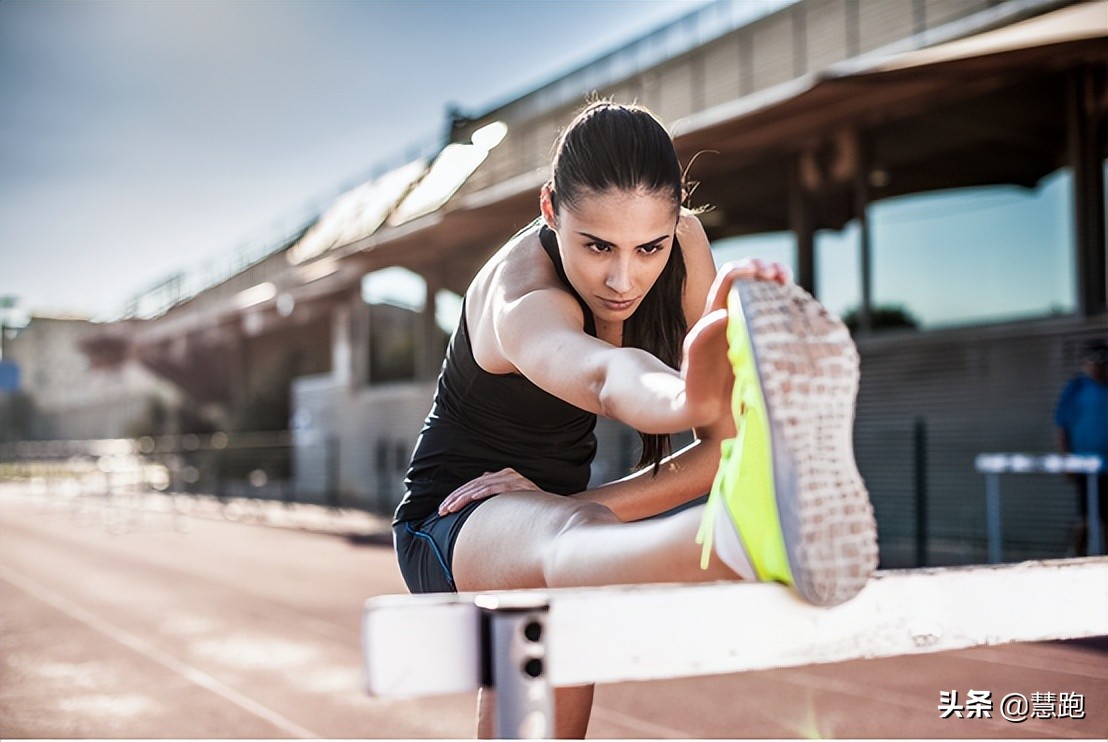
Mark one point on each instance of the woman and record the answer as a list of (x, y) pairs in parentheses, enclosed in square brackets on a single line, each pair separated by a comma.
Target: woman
[(610, 304)]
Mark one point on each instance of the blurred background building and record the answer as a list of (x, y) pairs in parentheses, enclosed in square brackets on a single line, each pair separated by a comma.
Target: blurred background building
[(932, 169), (57, 396)]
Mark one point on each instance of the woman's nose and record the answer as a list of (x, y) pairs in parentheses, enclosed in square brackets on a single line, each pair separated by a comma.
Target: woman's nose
[(619, 276)]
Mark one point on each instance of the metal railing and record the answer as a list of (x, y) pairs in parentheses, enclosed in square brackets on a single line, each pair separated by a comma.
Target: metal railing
[(251, 466), (128, 484)]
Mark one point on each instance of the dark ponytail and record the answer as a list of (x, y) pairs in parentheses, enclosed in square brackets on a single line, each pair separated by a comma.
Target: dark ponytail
[(624, 147)]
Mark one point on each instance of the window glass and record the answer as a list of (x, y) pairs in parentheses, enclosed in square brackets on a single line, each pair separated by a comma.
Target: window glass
[(398, 287), (448, 310), (776, 247), (838, 268), (838, 284), (396, 297), (972, 255)]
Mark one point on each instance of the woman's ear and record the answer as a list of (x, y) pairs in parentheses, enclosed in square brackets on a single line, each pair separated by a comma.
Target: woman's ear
[(546, 206)]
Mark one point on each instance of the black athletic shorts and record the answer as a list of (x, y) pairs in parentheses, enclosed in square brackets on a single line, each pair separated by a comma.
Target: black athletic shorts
[(425, 549)]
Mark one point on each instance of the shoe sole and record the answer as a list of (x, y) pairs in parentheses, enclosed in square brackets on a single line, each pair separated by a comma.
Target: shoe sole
[(807, 365)]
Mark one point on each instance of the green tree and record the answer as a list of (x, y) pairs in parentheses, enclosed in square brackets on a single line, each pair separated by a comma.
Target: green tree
[(886, 317)]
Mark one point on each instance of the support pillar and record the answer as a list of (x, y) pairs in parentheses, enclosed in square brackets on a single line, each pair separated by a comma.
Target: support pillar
[(341, 350), (865, 248), (1087, 88), (235, 345), (359, 340), (802, 223), (428, 353)]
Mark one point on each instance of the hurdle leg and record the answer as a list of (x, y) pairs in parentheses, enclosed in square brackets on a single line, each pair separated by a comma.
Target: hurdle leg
[(992, 515), (1094, 535), (513, 660)]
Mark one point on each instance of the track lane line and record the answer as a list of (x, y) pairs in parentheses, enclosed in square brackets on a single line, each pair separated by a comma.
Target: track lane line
[(190, 673), (1059, 664), (635, 724)]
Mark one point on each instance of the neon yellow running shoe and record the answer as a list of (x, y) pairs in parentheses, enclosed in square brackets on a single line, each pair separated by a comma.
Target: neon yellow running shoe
[(788, 504)]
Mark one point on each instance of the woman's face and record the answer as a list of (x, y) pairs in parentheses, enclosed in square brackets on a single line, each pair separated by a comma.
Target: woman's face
[(614, 246)]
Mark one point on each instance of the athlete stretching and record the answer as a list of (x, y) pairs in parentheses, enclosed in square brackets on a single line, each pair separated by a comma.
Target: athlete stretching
[(610, 304)]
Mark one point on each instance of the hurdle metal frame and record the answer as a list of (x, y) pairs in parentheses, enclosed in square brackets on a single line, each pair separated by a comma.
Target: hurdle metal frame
[(992, 465), (525, 643)]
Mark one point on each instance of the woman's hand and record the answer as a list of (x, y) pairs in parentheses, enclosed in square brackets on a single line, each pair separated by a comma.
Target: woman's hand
[(745, 268), (486, 485), (705, 368)]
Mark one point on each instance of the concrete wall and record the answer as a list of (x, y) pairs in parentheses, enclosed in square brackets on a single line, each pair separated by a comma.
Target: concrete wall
[(72, 400), (352, 446)]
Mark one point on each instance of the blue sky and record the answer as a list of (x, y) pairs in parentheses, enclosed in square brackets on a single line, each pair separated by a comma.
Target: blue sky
[(140, 138)]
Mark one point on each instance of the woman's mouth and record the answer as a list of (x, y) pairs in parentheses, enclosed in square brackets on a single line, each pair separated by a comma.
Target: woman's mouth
[(617, 306)]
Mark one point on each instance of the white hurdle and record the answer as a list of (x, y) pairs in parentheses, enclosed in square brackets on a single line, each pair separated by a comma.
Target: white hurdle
[(992, 465), (525, 642)]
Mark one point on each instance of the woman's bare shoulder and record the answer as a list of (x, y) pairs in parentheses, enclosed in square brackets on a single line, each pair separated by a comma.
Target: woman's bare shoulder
[(690, 231), (518, 268), (517, 283)]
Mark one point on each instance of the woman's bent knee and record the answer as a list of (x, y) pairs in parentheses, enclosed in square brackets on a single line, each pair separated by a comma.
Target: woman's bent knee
[(587, 513), (561, 549)]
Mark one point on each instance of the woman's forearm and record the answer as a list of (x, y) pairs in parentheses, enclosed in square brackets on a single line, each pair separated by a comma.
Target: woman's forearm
[(684, 476), (642, 392)]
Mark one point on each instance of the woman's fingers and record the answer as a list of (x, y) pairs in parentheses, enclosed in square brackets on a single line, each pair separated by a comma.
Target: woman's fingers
[(707, 373), (745, 268), (486, 485)]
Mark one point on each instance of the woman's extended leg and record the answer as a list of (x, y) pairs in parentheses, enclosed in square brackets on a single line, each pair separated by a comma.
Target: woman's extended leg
[(534, 539)]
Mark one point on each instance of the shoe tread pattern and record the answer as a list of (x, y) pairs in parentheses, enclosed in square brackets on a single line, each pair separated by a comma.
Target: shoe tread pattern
[(809, 371)]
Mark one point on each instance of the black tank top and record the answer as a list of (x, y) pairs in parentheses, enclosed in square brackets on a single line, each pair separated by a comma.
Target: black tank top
[(482, 422)]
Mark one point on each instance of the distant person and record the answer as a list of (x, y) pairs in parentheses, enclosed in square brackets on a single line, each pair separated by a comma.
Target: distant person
[(1081, 417)]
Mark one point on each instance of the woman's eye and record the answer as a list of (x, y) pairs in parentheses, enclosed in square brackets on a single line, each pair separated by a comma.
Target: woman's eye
[(599, 246), (651, 249)]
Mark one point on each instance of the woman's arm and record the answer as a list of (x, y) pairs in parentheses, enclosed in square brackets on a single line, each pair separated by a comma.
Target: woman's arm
[(680, 478), (540, 335), (685, 475)]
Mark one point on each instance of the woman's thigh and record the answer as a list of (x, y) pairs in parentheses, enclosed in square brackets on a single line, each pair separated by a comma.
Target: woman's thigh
[(503, 545), (533, 539)]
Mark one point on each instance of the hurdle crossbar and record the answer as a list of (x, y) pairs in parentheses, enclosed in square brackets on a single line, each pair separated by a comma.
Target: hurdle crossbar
[(523, 642)]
